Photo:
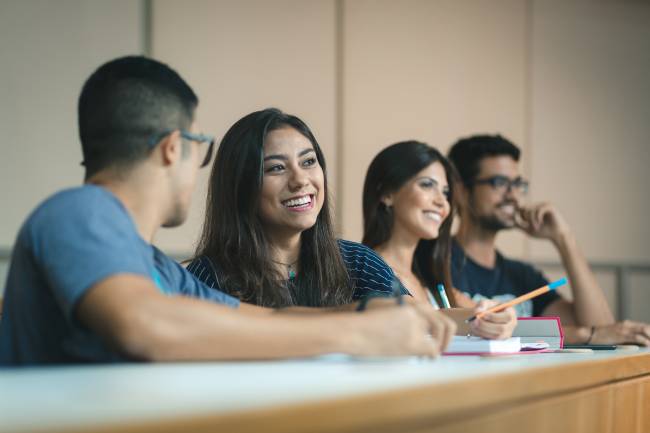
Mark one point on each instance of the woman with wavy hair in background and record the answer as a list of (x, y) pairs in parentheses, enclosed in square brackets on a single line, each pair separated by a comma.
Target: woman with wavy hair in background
[(408, 209)]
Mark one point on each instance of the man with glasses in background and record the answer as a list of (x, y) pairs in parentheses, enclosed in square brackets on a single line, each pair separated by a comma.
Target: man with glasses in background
[(491, 195)]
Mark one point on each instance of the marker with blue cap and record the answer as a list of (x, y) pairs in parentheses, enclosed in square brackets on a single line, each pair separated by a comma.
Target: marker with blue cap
[(530, 295)]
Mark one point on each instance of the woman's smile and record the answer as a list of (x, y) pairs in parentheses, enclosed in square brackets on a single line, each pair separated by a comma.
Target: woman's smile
[(299, 203), (433, 215)]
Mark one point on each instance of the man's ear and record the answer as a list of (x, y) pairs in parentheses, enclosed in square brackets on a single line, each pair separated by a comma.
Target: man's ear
[(171, 148), (462, 195)]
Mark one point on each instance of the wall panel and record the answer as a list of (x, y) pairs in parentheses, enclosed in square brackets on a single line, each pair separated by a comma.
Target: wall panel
[(590, 131), (48, 50), (244, 56), (432, 71)]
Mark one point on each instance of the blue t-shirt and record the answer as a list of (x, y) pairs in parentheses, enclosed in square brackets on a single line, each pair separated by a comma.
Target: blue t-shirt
[(507, 280), (72, 241), (369, 274)]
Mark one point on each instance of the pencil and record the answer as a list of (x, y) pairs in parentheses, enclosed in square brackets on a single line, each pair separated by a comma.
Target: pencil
[(530, 295)]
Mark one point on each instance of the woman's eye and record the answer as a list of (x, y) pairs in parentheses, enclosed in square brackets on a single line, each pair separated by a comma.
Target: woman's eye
[(426, 184), (446, 193), (274, 168), (309, 161)]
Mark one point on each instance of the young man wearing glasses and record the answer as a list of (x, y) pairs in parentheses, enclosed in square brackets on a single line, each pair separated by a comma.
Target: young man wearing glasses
[(491, 200), (87, 285)]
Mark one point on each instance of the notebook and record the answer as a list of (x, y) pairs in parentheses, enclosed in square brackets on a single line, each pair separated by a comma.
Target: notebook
[(531, 335), (540, 330), (461, 345)]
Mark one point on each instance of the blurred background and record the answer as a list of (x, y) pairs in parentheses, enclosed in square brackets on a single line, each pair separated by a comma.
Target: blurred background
[(566, 80)]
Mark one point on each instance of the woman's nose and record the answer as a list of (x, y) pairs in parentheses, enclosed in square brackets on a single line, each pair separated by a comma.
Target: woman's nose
[(298, 179), (439, 198)]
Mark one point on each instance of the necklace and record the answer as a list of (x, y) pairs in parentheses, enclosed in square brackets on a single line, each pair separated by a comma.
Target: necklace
[(290, 268)]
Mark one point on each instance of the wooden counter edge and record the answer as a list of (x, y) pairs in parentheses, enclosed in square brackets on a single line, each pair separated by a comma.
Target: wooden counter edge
[(420, 405)]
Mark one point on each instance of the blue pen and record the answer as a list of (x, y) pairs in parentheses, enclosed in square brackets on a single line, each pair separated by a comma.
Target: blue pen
[(443, 296)]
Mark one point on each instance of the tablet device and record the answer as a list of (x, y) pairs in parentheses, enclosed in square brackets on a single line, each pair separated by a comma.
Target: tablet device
[(591, 346)]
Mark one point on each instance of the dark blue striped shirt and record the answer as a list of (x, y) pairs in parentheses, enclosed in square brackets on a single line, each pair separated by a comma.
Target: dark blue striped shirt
[(369, 274)]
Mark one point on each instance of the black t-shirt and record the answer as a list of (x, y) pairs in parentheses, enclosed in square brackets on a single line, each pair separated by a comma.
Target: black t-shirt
[(507, 280)]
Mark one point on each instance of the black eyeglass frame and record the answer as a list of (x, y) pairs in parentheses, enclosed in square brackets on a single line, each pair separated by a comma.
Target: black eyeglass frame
[(498, 182), (199, 138)]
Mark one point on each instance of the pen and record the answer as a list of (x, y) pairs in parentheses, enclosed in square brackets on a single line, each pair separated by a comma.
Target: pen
[(530, 295), (443, 296)]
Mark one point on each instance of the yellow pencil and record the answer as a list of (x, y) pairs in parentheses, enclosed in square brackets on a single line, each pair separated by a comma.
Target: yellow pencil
[(530, 295)]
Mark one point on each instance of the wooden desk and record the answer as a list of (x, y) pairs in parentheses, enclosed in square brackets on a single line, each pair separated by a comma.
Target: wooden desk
[(600, 392)]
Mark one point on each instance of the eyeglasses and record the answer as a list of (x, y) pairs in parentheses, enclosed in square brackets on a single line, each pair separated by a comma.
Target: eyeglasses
[(504, 184), (199, 138)]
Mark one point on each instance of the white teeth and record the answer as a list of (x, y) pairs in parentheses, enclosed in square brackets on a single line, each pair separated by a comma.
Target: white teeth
[(433, 216), (508, 209), (297, 201)]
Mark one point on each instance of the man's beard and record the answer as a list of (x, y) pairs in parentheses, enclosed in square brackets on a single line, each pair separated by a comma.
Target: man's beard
[(493, 222)]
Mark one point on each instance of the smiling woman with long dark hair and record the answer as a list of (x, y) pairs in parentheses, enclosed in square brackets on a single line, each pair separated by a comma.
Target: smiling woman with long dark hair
[(408, 209), (408, 200), (267, 236)]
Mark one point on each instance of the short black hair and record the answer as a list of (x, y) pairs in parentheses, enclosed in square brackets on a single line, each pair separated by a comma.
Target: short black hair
[(467, 153), (125, 103)]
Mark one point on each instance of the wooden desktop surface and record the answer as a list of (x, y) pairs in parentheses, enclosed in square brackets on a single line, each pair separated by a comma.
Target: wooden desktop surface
[(599, 392)]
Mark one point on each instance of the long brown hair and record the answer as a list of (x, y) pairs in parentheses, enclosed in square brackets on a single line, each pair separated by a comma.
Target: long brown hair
[(233, 237), (388, 172)]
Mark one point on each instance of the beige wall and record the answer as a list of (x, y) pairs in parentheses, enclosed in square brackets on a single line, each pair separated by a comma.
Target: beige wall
[(567, 80), (591, 122), (431, 71), (48, 49), (244, 56)]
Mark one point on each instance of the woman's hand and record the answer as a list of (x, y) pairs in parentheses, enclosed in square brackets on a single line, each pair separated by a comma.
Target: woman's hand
[(495, 326)]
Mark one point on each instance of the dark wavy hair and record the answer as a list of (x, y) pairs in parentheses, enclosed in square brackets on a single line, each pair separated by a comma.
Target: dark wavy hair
[(388, 172), (233, 237)]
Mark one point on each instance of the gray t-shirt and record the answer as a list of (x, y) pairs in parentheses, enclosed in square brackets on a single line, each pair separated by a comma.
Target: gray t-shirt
[(72, 241)]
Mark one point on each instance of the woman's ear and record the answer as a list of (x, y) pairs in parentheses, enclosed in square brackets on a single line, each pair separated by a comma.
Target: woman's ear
[(387, 200)]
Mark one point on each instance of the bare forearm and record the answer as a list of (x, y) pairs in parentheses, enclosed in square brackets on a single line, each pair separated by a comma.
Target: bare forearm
[(179, 329), (626, 332), (131, 316), (576, 334), (589, 304)]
